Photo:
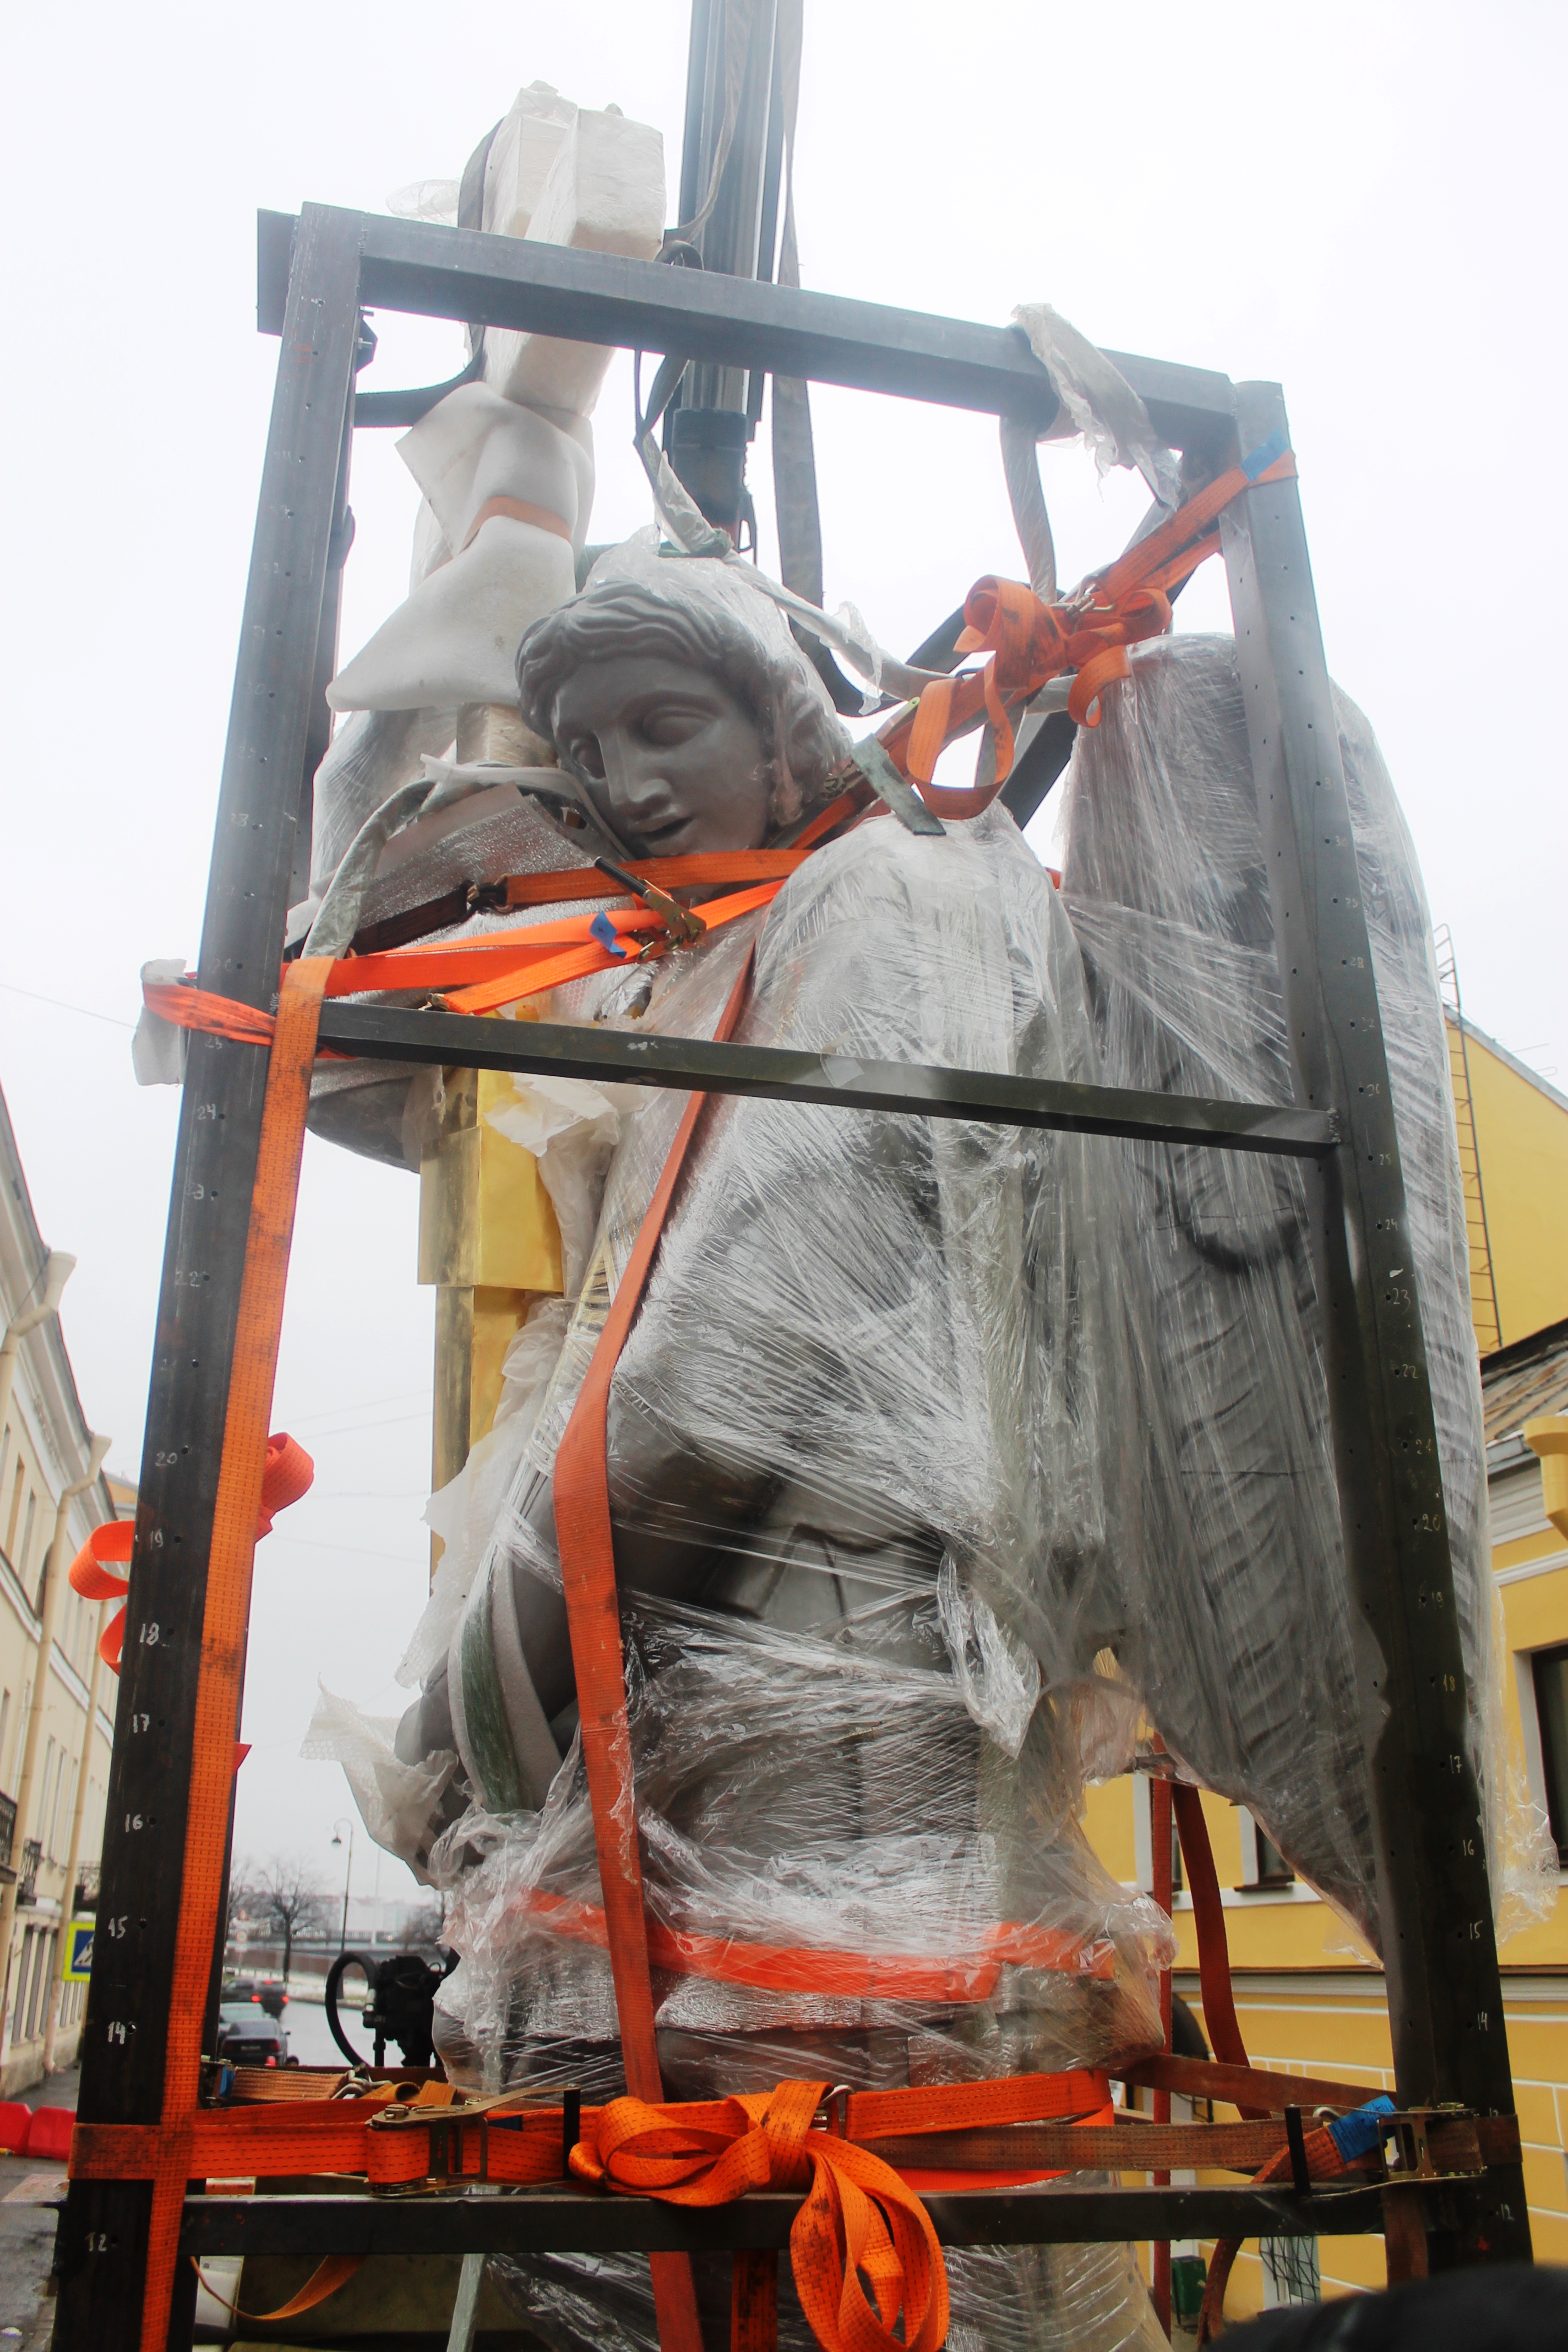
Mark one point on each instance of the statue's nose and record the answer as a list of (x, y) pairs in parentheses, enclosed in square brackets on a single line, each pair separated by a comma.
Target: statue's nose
[(635, 778)]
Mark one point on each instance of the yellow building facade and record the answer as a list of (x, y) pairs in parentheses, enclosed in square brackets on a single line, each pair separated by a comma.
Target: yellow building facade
[(1307, 2000)]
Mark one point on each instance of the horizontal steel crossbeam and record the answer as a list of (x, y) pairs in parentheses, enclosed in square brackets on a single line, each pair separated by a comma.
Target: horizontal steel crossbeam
[(598, 298), (470, 1040), (566, 2221)]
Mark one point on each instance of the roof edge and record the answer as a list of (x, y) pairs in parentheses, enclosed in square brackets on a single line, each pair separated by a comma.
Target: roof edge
[(1551, 1336), (1510, 1061), (50, 1333)]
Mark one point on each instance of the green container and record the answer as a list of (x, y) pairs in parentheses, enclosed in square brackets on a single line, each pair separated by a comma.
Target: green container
[(1189, 2276)]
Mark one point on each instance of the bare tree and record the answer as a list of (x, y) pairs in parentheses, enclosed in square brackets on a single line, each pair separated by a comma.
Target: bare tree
[(421, 1927), (290, 1898)]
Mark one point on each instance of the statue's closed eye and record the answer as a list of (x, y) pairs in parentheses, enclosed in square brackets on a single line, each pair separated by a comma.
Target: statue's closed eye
[(667, 729), (583, 753)]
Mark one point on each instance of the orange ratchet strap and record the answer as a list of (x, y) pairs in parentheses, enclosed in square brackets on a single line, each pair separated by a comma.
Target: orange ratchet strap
[(698, 2152), (1030, 641), (1209, 1914), (858, 2220), (505, 967), (333, 2271), (702, 868), (851, 1976), (593, 1617), (165, 2153)]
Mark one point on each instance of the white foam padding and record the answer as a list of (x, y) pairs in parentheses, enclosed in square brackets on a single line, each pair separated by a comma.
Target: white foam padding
[(474, 445), (604, 193), (455, 639), (525, 145)]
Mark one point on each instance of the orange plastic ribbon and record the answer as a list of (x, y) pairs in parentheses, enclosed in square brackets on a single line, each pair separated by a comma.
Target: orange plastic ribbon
[(287, 1476), (1030, 641)]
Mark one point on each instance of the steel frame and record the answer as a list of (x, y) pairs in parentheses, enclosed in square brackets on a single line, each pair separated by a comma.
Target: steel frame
[(1443, 1988)]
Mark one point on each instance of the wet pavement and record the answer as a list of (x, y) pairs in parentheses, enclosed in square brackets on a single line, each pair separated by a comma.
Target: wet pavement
[(29, 2188)]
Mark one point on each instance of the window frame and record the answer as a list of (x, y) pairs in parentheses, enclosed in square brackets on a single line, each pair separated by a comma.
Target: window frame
[(1553, 1765)]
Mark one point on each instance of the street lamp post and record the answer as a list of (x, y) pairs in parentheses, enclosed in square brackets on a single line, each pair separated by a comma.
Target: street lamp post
[(337, 1827)]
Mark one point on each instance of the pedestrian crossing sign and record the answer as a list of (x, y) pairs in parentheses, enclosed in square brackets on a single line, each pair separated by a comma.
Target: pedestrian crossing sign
[(78, 1957)]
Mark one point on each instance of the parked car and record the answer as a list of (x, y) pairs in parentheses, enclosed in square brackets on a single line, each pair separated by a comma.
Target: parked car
[(266, 1989), (247, 2036)]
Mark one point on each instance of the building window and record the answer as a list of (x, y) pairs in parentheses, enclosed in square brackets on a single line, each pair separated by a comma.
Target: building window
[(42, 1971), (24, 1558), (1550, 1670), (24, 1985), (11, 1523), (1273, 1870), (1262, 1863), (63, 1827)]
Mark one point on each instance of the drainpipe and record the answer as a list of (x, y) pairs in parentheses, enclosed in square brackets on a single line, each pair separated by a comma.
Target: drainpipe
[(78, 1814), (54, 1578), (59, 1268)]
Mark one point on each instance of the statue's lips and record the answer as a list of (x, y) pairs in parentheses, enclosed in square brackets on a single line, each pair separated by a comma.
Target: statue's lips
[(667, 840)]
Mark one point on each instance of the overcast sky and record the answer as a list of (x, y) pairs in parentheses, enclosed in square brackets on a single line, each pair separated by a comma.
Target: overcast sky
[(1361, 201)]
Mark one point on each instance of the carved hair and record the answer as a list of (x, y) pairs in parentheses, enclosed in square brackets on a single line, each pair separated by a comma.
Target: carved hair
[(621, 619)]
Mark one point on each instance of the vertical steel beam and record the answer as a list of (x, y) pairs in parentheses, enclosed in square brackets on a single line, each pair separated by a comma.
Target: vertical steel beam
[(102, 2234), (1445, 1994)]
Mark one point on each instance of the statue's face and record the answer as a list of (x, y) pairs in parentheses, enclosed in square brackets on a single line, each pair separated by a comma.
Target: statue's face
[(669, 758)]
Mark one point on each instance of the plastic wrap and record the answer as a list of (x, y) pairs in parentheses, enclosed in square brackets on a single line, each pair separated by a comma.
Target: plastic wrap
[(1238, 1617), (373, 1107), (934, 1449), (399, 1802), (859, 1454), (1003, 2299), (860, 1415)]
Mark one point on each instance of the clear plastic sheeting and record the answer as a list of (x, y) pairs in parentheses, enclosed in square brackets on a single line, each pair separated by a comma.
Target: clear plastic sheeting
[(1234, 1616), (936, 1451), (843, 1877), (1003, 2299), (1098, 402), (858, 1448), (867, 1344), (397, 1801)]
